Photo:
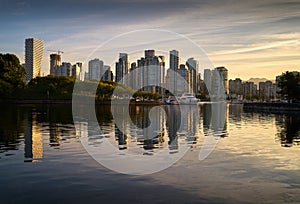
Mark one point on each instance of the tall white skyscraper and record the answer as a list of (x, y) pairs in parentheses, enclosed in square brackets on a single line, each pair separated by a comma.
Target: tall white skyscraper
[(34, 49)]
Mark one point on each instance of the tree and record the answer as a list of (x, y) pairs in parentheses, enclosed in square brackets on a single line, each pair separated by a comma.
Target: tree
[(11, 75), (289, 84)]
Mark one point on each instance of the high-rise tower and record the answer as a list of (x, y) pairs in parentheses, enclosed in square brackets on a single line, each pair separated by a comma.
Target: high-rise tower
[(174, 60), (34, 49), (55, 61)]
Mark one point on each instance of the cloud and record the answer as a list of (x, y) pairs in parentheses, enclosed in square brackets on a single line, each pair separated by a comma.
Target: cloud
[(259, 47), (223, 28)]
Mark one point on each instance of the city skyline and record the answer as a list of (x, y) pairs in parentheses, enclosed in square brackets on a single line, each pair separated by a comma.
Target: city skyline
[(252, 39)]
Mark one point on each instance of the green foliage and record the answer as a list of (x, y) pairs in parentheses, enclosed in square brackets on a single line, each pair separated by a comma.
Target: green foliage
[(289, 84), (146, 95), (104, 91), (58, 88), (11, 76), (50, 87)]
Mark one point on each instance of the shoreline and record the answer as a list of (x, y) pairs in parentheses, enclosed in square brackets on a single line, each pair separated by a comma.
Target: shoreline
[(254, 106), (69, 101), (269, 106)]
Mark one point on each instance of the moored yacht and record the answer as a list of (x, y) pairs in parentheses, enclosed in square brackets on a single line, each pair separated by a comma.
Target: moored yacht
[(188, 98)]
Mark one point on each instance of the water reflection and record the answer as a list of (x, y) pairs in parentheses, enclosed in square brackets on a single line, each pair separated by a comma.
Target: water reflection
[(33, 127), (289, 129), (30, 127), (11, 127), (287, 124), (167, 126), (211, 125), (33, 139)]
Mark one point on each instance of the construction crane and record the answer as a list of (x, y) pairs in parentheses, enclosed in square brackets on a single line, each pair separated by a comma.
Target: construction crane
[(58, 51)]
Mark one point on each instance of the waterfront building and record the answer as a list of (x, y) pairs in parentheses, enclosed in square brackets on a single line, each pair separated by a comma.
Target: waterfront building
[(235, 88), (224, 77), (193, 69), (122, 67), (34, 49), (174, 60), (207, 79), (76, 71), (108, 75), (267, 90), (153, 69), (249, 89), (183, 86), (64, 70), (81, 74), (96, 69), (133, 75), (55, 61)]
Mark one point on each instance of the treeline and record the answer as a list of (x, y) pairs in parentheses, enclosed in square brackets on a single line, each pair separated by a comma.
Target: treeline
[(289, 86), (12, 85)]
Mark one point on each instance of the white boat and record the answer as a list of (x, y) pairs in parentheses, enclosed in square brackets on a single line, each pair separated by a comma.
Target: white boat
[(188, 98)]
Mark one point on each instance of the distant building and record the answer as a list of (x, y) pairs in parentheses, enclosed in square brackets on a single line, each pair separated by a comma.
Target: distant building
[(55, 61), (267, 90), (249, 89), (183, 85), (81, 74), (151, 68), (96, 69), (208, 79), (134, 75), (108, 75), (174, 60), (224, 77), (76, 71), (34, 49), (216, 82), (193, 68), (122, 66), (64, 70), (235, 87)]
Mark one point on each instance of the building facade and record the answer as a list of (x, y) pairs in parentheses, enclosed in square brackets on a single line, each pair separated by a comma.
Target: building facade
[(193, 69), (96, 69), (122, 67), (34, 50), (174, 60), (55, 61), (207, 80), (235, 88), (224, 77)]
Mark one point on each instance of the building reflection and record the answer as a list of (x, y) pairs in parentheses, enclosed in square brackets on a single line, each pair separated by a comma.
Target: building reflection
[(215, 119), (33, 139), (289, 129), (11, 127), (55, 135), (151, 121), (173, 122), (121, 138), (152, 127), (235, 112)]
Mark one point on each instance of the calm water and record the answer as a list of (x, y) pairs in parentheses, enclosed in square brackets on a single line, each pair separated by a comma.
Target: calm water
[(256, 159)]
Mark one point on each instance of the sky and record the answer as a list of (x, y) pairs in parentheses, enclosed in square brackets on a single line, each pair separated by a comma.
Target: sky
[(250, 38)]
